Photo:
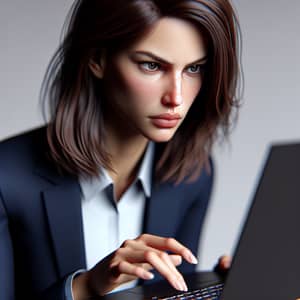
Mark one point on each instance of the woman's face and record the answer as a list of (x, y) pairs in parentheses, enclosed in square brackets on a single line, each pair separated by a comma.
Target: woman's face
[(150, 87)]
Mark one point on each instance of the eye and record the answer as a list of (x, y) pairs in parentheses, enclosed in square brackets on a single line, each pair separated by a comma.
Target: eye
[(149, 66), (195, 69)]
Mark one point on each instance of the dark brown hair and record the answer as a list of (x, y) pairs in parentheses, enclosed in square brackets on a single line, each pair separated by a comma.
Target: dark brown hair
[(76, 134)]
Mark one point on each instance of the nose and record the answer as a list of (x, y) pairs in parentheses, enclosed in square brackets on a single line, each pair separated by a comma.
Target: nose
[(173, 94)]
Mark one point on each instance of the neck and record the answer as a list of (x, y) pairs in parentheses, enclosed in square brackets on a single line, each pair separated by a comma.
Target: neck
[(126, 153), (126, 157)]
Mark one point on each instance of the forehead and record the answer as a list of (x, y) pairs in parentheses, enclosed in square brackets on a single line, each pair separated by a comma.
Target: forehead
[(173, 39)]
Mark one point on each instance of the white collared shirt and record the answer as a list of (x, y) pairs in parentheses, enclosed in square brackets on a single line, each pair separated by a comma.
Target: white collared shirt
[(108, 223)]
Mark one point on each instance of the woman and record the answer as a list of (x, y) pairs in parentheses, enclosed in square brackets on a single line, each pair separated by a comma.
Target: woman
[(115, 188)]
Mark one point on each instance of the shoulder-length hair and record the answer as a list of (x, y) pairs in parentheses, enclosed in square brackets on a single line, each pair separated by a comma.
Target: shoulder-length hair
[(76, 133)]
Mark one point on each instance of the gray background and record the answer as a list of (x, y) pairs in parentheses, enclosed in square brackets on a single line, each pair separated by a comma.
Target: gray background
[(30, 31)]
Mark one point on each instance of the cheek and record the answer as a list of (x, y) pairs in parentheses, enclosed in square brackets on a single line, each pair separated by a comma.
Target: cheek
[(141, 88), (191, 92)]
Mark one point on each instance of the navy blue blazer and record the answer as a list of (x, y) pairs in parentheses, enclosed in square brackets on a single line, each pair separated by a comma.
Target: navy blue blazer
[(41, 234)]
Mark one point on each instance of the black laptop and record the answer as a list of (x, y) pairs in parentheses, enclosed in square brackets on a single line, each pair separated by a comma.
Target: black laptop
[(266, 264)]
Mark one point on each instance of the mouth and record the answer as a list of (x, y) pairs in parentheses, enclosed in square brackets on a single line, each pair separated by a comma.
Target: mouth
[(165, 120)]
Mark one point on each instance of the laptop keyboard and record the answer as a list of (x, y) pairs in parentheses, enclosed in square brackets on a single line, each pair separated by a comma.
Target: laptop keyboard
[(207, 293)]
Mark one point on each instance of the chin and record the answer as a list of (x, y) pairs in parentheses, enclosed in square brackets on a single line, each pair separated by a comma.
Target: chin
[(162, 136)]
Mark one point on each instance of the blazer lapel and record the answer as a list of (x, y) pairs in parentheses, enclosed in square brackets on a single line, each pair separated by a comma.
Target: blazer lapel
[(162, 212), (63, 210), (62, 204), (162, 209)]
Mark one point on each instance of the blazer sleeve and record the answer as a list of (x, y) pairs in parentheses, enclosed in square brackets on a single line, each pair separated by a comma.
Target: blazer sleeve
[(189, 232), (56, 291), (6, 257)]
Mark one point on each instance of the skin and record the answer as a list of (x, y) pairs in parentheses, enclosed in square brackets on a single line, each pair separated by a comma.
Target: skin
[(140, 87), (160, 74), (224, 262)]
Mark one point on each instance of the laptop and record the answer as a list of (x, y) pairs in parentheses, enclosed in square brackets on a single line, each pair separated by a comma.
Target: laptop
[(266, 264)]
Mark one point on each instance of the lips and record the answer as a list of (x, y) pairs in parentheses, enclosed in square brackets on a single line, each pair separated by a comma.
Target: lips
[(165, 120)]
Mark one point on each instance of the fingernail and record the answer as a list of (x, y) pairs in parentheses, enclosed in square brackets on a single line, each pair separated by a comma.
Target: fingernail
[(148, 276), (193, 259), (178, 285), (181, 284)]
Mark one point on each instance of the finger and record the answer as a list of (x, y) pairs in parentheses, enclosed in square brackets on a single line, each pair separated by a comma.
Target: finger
[(173, 269), (139, 244), (175, 259), (168, 244), (162, 264), (138, 256), (225, 262), (133, 256), (125, 267), (146, 266)]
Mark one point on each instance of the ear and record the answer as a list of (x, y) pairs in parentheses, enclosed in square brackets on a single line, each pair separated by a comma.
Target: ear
[(97, 68)]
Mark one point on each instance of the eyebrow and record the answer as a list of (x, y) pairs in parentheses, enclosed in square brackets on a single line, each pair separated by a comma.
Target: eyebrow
[(163, 61)]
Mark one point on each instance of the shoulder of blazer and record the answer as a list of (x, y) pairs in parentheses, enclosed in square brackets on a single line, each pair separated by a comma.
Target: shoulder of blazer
[(20, 153), (27, 154)]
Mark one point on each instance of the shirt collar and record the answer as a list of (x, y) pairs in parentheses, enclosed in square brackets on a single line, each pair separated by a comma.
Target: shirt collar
[(91, 186), (145, 170)]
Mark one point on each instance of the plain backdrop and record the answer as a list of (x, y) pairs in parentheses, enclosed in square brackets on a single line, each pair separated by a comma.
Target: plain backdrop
[(30, 32)]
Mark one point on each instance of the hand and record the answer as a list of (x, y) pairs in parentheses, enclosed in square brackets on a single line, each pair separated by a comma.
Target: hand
[(223, 264), (133, 260)]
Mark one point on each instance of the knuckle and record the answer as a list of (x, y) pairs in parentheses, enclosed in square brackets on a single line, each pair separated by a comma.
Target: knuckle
[(136, 271), (119, 252), (163, 255), (143, 237), (149, 255), (169, 242), (113, 257), (121, 265), (126, 243), (146, 266)]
